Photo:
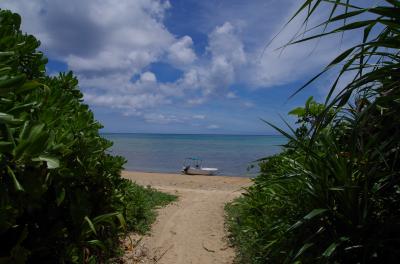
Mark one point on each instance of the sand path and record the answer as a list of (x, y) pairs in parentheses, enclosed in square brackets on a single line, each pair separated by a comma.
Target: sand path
[(190, 230)]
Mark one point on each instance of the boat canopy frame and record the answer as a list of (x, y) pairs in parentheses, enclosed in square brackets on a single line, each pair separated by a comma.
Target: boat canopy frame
[(193, 162)]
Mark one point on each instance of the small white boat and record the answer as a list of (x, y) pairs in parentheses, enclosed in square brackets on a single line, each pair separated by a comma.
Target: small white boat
[(192, 166)]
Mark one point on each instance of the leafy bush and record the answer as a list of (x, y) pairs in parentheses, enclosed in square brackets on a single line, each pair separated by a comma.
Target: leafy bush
[(61, 195), (322, 201), (258, 219), (138, 204), (336, 185)]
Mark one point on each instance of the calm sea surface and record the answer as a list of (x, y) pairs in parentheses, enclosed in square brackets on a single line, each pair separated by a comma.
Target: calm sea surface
[(231, 154)]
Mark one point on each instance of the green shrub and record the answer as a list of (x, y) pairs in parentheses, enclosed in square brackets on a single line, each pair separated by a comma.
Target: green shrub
[(61, 195), (258, 220), (138, 204), (336, 185), (327, 200)]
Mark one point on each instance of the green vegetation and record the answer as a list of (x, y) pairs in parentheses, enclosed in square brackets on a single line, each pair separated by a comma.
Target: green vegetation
[(333, 195), (62, 199), (138, 204)]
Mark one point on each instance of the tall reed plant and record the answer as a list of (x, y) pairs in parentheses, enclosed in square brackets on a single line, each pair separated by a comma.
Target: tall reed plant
[(340, 171)]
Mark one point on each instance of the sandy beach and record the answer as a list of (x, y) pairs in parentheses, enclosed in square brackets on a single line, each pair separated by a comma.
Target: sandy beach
[(190, 230)]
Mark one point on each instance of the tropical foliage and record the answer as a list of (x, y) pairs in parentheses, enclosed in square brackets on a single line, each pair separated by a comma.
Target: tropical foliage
[(62, 199), (333, 195)]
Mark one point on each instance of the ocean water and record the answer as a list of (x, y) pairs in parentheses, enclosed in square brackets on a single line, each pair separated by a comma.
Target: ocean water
[(231, 154)]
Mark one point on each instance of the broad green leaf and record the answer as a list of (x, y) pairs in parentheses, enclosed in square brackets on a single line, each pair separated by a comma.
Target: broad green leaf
[(121, 220), (314, 213), (309, 101), (328, 252), (24, 131), (27, 86), (302, 250), (271, 243), (299, 111), (295, 225), (34, 144), (6, 53), (17, 185), (12, 82), (96, 243), (23, 108), (105, 218), (60, 197), (9, 119), (52, 162), (91, 225), (336, 189)]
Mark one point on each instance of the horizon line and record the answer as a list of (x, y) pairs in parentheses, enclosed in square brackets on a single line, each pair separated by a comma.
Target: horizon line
[(211, 134)]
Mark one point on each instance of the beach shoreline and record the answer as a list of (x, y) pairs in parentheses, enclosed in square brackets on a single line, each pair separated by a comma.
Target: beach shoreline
[(192, 229), (177, 180), (177, 172)]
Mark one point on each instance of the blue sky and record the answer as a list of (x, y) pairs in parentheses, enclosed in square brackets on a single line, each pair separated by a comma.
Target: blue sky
[(181, 66)]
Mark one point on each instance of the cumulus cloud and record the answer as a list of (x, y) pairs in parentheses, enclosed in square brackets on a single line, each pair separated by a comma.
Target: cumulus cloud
[(133, 102), (91, 28), (224, 42), (239, 32), (148, 77), (227, 55), (216, 70), (108, 42), (181, 52)]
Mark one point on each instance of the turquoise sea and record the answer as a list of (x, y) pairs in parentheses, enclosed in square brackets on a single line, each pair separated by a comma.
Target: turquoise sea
[(231, 154)]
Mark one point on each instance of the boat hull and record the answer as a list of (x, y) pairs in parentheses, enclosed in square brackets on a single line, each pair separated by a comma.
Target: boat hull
[(200, 171)]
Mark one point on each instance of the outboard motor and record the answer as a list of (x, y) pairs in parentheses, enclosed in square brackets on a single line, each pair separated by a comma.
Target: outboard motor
[(185, 169)]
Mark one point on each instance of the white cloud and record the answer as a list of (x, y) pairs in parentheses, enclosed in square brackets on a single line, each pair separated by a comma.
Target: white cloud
[(213, 126), (148, 77), (214, 74), (248, 104), (181, 52), (95, 34), (274, 66), (133, 102), (107, 42), (224, 42), (231, 95), (197, 101), (236, 45), (161, 118), (227, 55), (201, 117)]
